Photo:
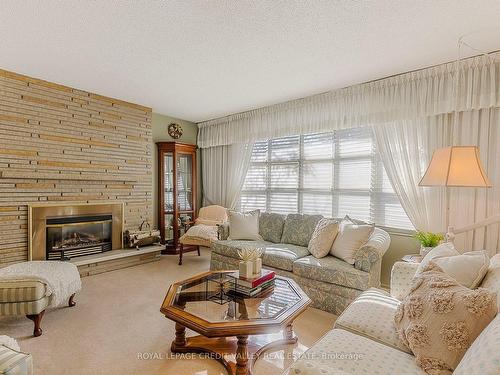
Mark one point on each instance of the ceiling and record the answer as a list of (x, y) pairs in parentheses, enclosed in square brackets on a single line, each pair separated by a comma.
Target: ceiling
[(198, 60)]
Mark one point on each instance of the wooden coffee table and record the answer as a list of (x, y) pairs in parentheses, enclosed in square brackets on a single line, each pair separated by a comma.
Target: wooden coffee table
[(227, 323)]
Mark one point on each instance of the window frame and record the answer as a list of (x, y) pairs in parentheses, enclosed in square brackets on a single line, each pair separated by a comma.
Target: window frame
[(375, 192)]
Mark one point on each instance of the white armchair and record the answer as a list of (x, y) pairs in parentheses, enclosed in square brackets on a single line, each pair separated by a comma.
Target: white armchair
[(204, 230)]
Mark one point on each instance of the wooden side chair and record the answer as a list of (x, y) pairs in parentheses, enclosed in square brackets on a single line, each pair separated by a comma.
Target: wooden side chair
[(204, 230)]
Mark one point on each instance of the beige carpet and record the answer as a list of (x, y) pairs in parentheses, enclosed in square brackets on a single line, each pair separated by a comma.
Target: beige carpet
[(117, 320)]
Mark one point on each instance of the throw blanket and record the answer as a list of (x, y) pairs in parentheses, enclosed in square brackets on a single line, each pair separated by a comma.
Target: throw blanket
[(206, 232), (9, 342), (61, 278)]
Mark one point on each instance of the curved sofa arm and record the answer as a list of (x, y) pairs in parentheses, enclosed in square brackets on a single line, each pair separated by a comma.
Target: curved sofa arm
[(372, 251), (222, 231), (402, 274)]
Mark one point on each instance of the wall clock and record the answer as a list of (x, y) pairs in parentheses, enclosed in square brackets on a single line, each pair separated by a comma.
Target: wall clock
[(174, 130)]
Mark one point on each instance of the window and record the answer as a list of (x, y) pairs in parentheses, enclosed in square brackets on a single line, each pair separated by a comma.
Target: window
[(332, 174)]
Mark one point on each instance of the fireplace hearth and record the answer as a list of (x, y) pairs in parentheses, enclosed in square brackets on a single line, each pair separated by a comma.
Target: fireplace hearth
[(72, 236)]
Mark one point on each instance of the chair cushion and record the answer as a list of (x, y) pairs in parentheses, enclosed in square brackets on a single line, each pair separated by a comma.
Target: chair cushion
[(271, 226), (299, 228), (483, 357), (341, 352), (21, 291), (331, 270), (277, 255), (372, 315)]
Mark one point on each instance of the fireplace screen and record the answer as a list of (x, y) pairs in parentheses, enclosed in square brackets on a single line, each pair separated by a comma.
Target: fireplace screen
[(73, 236)]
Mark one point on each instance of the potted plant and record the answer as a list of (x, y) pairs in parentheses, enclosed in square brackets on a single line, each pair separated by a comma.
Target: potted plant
[(428, 241)]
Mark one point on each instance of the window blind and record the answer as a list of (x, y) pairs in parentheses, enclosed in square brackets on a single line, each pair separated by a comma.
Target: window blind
[(332, 174)]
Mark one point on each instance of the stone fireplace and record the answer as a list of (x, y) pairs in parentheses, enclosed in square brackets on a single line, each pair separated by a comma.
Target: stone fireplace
[(62, 232)]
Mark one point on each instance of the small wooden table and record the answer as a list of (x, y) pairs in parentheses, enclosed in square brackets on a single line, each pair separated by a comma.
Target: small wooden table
[(225, 320)]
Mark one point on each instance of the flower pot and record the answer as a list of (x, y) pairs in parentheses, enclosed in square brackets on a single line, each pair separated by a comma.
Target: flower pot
[(425, 250), (246, 269), (257, 266)]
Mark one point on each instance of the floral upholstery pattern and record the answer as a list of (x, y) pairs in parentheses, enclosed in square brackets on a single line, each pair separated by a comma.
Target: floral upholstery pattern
[(341, 352), (369, 257), (299, 228), (277, 255), (223, 231), (401, 276), (331, 270), (483, 357), (372, 315), (271, 226), (325, 296)]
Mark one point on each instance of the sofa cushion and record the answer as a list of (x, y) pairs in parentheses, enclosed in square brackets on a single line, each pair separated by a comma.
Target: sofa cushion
[(492, 279), (299, 228), (21, 291), (323, 236), (350, 239), (271, 226), (483, 357), (331, 270), (340, 352), (277, 255), (372, 315), (244, 225), (467, 268), (440, 319)]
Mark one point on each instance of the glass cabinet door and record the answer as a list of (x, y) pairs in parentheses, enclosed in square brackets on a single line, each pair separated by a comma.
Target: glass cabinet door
[(184, 182), (168, 187)]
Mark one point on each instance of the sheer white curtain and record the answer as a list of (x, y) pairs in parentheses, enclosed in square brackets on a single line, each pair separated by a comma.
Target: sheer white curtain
[(469, 205), (223, 173), (406, 148)]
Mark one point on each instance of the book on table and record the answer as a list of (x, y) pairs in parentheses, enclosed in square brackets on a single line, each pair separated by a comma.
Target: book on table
[(254, 291), (253, 286), (253, 282)]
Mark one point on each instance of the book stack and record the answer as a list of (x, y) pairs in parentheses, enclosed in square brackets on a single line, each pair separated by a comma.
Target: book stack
[(250, 287)]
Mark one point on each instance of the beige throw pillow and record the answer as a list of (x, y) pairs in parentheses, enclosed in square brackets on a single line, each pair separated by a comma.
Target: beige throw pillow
[(350, 238), (323, 236), (446, 249), (468, 269), (439, 319), (244, 225)]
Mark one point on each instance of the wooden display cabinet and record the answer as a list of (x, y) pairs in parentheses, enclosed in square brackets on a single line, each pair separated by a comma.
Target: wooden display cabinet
[(176, 192)]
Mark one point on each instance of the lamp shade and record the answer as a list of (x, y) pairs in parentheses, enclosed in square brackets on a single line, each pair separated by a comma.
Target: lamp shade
[(455, 166)]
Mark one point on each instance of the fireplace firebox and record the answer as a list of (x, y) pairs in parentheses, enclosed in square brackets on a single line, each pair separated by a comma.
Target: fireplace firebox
[(72, 236)]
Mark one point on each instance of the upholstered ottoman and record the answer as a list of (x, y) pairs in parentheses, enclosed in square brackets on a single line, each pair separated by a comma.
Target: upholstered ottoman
[(28, 288)]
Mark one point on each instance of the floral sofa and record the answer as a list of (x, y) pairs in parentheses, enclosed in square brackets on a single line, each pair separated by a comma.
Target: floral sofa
[(331, 283), (364, 340)]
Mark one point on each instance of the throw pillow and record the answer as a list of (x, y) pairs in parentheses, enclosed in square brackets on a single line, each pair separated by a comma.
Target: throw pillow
[(271, 226), (244, 225), (439, 319), (350, 238), (323, 236), (446, 249), (299, 228), (468, 269)]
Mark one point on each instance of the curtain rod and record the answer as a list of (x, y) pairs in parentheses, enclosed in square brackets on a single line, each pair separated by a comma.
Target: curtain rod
[(361, 83)]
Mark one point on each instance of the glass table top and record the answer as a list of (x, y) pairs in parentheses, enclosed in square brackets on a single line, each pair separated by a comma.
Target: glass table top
[(212, 297)]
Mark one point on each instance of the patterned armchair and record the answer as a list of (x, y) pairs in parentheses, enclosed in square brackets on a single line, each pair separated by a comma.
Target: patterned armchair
[(12, 360)]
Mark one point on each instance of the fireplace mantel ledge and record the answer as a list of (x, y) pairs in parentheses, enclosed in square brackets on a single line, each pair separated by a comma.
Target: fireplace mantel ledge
[(114, 254)]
